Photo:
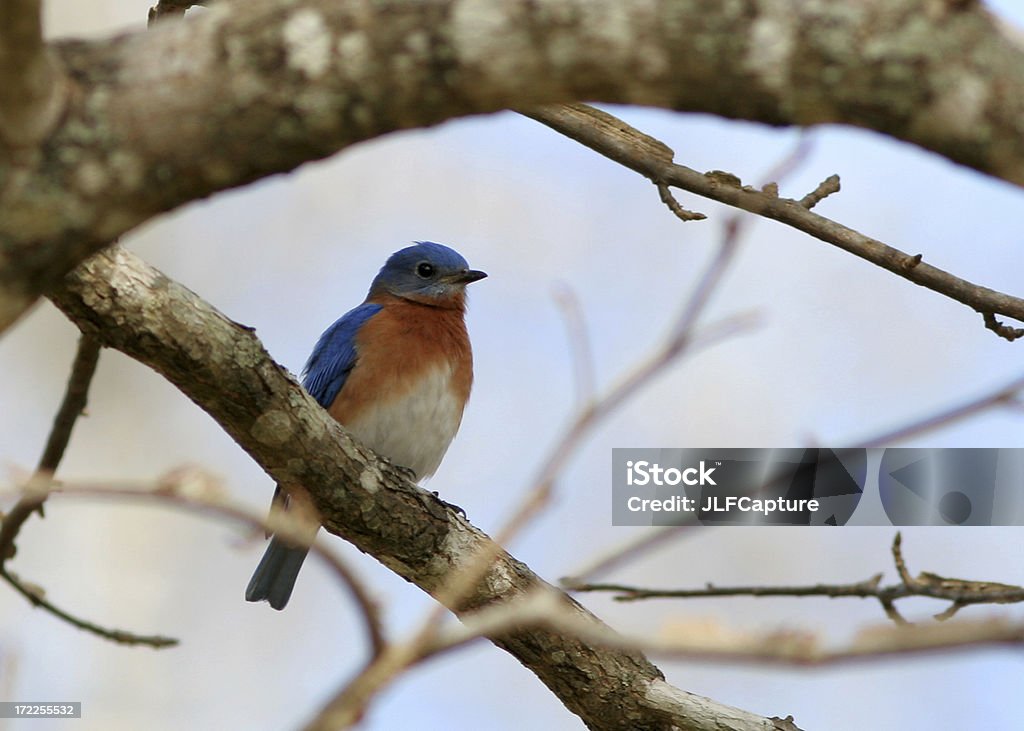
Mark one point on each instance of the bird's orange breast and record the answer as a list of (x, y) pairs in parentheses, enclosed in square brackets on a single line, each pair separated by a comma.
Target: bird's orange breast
[(413, 373)]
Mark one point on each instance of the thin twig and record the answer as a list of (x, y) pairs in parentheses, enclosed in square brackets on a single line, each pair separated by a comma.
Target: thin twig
[(825, 188), (194, 490), (653, 159), (634, 549), (579, 343), (630, 551), (701, 641), (1000, 328), (788, 164), (347, 707), (593, 413), (75, 397), (72, 406), (625, 593), (1006, 395), (36, 598), (665, 193), (960, 592)]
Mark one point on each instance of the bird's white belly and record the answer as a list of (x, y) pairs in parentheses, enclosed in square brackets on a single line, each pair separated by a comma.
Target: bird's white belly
[(414, 428)]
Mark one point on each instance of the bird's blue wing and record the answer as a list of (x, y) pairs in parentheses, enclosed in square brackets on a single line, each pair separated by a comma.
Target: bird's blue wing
[(335, 354)]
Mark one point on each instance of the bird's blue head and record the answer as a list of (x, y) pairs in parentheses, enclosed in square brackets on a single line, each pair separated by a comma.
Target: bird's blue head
[(428, 273)]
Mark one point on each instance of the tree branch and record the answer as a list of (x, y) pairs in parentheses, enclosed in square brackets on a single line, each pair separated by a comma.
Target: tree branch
[(1008, 395), (31, 84), (193, 489), (37, 598), (959, 592), (73, 404), (710, 641), (242, 92), (348, 704), (223, 368), (630, 147)]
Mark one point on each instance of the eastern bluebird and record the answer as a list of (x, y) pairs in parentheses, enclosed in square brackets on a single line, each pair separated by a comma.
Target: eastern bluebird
[(396, 372)]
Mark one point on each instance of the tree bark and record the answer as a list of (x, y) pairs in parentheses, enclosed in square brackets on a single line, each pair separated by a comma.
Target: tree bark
[(223, 368)]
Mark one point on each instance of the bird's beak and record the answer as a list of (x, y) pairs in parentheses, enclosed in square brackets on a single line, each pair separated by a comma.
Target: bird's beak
[(467, 275)]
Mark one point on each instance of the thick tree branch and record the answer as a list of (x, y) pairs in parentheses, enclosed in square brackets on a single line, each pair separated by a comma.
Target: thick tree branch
[(349, 703), (630, 147), (245, 91), (223, 368)]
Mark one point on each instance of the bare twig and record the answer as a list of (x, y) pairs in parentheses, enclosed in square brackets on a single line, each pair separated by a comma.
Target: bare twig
[(647, 542), (1007, 395), (901, 564), (867, 588), (1000, 328), (579, 343), (75, 397), (731, 233), (628, 146), (665, 193), (825, 188), (194, 490), (36, 597), (586, 419), (889, 607), (713, 642), (71, 407), (347, 707), (959, 592), (788, 164)]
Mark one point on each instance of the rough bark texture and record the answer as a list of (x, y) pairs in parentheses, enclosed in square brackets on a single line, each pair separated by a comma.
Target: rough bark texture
[(154, 120), (224, 369)]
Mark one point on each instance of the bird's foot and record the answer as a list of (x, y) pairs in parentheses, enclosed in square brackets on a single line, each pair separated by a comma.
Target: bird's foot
[(407, 473), (450, 506)]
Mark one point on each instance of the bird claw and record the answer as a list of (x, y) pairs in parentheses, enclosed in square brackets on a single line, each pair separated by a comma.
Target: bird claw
[(407, 473), (450, 506)]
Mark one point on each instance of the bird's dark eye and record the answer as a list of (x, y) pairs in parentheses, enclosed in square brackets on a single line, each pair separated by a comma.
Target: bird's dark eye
[(425, 269)]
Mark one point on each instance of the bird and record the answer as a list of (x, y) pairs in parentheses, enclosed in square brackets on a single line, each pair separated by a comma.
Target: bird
[(396, 372)]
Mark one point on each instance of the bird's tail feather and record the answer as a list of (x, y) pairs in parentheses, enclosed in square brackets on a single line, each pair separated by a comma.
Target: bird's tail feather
[(274, 578)]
